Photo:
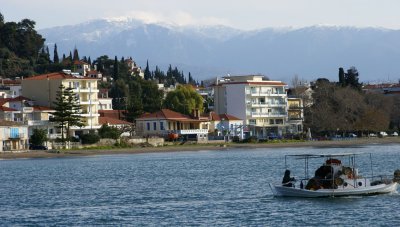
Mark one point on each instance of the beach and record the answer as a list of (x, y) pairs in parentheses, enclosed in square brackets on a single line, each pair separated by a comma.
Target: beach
[(198, 147)]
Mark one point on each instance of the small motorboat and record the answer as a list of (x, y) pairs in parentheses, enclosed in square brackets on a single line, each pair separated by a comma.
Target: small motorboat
[(334, 178)]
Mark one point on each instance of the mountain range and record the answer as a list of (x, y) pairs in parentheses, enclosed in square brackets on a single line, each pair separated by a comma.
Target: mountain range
[(215, 51)]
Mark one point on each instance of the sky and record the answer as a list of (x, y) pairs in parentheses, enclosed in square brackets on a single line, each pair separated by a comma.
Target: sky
[(246, 15)]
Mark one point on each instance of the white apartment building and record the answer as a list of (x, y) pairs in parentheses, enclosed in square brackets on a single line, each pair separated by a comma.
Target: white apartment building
[(261, 103), (43, 89)]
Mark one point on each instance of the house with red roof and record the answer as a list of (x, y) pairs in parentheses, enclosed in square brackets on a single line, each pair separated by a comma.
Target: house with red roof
[(24, 111), (226, 125), (125, 126), (166, 122)]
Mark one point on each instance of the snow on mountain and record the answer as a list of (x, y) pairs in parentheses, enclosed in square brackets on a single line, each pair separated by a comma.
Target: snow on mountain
[(210, 51)]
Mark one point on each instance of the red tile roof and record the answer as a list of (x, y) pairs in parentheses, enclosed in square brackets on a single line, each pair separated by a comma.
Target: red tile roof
[(58, 75), (10, 82), (42, 108), (219, 117), (169, 115), (77, 62), (19, 98), (6, 109), (112, 121)]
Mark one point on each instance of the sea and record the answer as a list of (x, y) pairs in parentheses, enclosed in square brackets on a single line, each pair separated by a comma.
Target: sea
[(204, 188)]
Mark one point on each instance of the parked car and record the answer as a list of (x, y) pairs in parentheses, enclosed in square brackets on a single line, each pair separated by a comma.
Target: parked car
[(372, 135), (383, 134), (37, 147), (352, 135), (394, 134)]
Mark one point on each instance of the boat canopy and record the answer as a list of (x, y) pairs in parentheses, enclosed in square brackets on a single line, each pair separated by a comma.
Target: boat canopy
[(302, 156)]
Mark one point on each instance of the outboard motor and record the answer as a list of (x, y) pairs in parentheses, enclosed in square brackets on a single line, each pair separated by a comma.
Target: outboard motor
[(396, 176)]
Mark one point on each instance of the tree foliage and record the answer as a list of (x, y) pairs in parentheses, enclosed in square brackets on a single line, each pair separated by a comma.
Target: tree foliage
[(336, 108), (67, 110), (184, 100), (38, 137), (109, 132)]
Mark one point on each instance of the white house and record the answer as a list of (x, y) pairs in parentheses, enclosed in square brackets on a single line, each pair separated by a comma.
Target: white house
[(167, 122), (13, 136)]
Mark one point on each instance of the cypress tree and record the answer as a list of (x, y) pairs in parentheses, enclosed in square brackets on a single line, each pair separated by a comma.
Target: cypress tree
[(76, 55), (341, 77), (70, 56), (89, 61), (147, 74), (55, 57), (116, 69)]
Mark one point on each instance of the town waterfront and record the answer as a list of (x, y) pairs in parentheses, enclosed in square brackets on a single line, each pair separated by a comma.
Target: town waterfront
[(222, 187)]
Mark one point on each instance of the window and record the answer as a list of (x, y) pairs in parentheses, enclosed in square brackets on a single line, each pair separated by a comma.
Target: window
[(161, 125), (271, 121), (154, 125), (148, 126), (252, 121), (279, 121)]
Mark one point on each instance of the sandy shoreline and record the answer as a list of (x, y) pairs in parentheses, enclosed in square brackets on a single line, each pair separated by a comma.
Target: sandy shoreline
[(178, 148)]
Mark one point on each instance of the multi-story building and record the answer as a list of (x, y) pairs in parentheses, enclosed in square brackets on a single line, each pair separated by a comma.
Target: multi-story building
[(24, 111), (43, 89), (261, 103), (295, 115)]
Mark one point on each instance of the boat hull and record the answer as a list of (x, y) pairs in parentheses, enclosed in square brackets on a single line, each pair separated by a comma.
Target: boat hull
[(279, 190)]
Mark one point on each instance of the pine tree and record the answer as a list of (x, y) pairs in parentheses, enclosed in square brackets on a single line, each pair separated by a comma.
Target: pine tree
[(66, 110), (55, 57), (89, 61)]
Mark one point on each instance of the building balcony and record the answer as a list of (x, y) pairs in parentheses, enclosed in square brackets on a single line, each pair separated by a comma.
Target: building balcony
[(263, 94), (295, 119), (191, 131), (85, 89), (268, 104), (89, 114), (293, 106), (89, 102), (16, 136), (273, 114), (37, 122), (86, 127)]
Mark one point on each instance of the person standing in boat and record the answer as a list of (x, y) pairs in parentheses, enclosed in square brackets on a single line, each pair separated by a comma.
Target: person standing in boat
[(287, 180)]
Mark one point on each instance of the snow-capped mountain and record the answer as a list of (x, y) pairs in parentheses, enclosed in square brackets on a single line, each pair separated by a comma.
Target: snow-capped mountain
[(210, 51)]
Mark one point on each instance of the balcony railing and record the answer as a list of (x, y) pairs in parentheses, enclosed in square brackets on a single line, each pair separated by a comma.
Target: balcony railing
[(37, 122), (85, 89), (16, 135), (272, 114), (191, 131), (268, 103), (265, 93), (294, 106)]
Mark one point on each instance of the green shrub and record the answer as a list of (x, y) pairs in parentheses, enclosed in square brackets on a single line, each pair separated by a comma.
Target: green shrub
[(90, 138)]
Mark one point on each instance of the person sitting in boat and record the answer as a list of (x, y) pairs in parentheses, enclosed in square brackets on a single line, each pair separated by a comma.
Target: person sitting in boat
[(287, 181)]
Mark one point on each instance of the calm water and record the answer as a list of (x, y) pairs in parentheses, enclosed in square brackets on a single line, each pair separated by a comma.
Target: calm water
[(226, 188)]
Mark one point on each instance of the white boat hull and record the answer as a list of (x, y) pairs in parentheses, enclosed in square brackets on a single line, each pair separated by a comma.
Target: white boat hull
[(279, 190)]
